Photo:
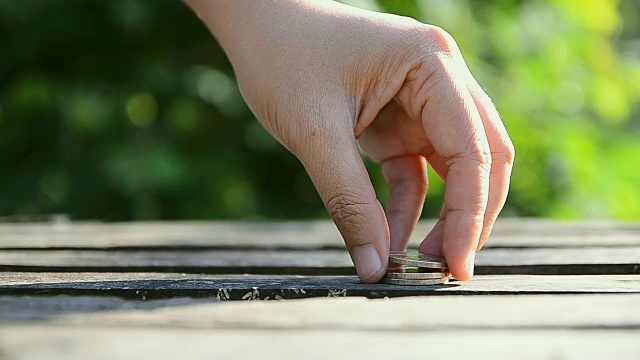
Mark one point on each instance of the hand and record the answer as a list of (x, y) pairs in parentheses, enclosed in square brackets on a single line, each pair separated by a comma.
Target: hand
[(323, 77)]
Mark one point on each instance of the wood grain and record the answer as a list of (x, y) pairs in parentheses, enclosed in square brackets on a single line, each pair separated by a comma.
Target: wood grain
[(313, 262), (433, 313), (30, 308), (35, 342), (566, 326), (238, 287), (158, 290), (452, 313), (299, 235)]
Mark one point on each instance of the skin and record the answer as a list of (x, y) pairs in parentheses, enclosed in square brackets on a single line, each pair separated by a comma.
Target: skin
[(323, 78)]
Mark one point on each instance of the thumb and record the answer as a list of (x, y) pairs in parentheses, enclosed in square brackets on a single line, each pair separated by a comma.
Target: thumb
[(334, 164)]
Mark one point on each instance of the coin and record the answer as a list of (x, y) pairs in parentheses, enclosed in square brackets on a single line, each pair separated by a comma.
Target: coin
[(418, 259), (415, 281), (415, 275), (411, 269)]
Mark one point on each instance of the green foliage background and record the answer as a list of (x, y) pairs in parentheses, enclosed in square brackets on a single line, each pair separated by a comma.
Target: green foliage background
[(128, 109)]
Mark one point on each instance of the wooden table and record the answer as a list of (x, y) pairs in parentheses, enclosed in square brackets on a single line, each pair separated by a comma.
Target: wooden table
[(543, 289)]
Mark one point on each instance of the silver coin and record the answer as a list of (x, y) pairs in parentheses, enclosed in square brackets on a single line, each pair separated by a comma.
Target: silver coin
[(415, 276), (415, 282), (411, 269), (418, 259)]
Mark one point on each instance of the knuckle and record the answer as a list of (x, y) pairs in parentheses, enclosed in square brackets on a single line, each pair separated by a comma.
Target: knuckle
[(346, 206), (426, 40), (479, 158), (439, 39), (510, 152), (505, 154), (474, 215)]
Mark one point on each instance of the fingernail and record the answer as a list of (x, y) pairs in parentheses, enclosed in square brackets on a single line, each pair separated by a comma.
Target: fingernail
[(366, 260), (471, 264)]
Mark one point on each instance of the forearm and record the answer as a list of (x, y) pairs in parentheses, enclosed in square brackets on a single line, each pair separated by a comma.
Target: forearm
[(240, 26), (246, 29), (225, 18)]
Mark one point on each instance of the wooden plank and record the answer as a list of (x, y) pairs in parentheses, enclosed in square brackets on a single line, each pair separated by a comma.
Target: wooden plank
[(171, 234), (459, 313), (508, 226), (34, 342), (304, 235), (238, 287), (29, 308), (625, 260), (453, 313), (335, 262)]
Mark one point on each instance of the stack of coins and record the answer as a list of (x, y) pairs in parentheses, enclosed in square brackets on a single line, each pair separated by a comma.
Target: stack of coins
[(413, 268)]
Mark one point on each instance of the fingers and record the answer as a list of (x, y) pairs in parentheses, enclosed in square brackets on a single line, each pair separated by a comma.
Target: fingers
[(336, 169), (406, 177), (454, 127), (432, 244), (502, 155), (396, 141)]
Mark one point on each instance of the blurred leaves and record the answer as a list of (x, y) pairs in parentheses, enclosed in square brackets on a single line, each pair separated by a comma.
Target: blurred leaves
[(564, 76), (128, 109)]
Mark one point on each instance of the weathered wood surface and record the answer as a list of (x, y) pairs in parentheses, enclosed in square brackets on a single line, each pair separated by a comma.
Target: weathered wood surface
[(29, 308), (523, 327), (301, 235), (155, 290), (588, 260), (354, 313), (542, 326), (254, 287), (36, 342)]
